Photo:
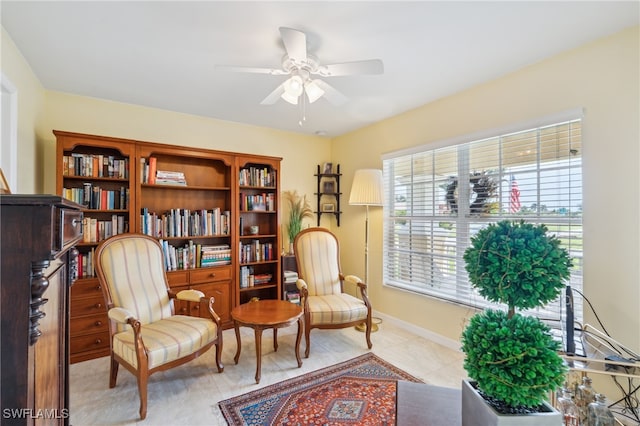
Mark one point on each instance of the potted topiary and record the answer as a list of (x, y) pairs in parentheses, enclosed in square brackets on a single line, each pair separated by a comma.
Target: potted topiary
[(512, 358)]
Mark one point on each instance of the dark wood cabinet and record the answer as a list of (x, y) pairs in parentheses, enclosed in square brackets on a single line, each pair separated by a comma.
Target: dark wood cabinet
[(39, 264)]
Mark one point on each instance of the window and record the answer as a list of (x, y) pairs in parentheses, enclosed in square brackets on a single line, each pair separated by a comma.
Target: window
[(436, 199)]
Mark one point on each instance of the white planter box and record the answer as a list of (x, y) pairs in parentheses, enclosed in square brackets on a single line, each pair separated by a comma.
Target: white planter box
[(476, 412)]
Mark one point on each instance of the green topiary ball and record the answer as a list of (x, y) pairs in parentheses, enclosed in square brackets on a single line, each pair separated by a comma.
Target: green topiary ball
[(512, 359), (517, 263)]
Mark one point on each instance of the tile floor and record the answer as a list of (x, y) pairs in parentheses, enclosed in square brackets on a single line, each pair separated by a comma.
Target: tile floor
[(188, 395)]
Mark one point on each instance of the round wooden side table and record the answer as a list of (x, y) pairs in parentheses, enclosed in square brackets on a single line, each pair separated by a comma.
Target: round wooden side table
[(265, 314)]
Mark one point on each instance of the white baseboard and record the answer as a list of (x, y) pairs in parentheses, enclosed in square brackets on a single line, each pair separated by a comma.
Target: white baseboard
[(422, 332)]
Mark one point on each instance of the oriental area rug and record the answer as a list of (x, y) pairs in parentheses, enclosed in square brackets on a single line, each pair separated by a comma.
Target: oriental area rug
[(361, 391)]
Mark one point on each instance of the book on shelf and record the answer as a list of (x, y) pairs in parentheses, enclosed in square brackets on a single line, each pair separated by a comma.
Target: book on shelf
[(256, 251), (166, 177), (98, 198), (257, 176), (193, 255), (185, 223), (262, 278), (290, 277), (95, 165), (153, 164), (293, 297)]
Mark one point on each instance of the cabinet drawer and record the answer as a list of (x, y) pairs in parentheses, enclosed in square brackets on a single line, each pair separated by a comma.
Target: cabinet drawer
[(86, 288), (88, 306), (70, 227), (204, 275), (178, 278), (91, 324), (89, 342)]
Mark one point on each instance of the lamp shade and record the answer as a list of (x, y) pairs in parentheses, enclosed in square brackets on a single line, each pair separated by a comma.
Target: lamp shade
[(314, 92), (367, 188)]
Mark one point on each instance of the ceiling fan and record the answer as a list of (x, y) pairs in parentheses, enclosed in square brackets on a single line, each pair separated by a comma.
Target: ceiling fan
[(302, 67)]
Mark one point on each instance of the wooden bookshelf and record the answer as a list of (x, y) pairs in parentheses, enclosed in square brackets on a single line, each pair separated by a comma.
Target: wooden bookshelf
[(195, 212)]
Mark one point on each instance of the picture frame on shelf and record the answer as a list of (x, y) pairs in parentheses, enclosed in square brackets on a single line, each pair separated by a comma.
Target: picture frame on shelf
[(327, 169), (328, 208), (329, 187)]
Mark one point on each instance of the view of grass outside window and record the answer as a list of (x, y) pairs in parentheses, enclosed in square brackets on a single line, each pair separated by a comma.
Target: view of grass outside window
[(436, 199)]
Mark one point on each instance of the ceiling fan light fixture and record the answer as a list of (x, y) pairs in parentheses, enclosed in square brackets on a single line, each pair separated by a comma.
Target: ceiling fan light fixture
[(293, 88), (313, 91), (289, 98)]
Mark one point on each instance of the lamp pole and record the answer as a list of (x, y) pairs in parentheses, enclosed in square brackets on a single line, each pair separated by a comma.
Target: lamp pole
[(366, 244), (367, 190)]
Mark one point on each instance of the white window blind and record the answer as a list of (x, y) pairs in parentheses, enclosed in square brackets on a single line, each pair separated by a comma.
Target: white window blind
[(436, 199)]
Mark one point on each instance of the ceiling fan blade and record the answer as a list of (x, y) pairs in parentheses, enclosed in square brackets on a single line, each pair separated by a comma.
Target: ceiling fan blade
[(295, 42), (255, 70), (332, 95), (370, 66), (273, 97)]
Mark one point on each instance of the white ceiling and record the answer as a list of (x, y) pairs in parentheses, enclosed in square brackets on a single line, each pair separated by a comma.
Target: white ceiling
[(163, 54)]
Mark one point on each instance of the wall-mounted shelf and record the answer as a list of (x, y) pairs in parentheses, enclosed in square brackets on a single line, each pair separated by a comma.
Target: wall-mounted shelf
[(328, 192)]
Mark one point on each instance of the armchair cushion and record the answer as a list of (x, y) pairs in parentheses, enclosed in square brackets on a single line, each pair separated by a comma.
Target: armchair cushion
[(337, 308), (166, 340)]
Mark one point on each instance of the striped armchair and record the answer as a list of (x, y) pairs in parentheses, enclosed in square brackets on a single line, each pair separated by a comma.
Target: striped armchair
[(146, 336), (321, 286)]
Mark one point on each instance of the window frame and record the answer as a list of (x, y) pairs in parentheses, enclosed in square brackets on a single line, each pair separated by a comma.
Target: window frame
[(554, 311)]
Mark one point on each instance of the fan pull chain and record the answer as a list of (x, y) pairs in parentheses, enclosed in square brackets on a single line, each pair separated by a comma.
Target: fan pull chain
[(303, 109)]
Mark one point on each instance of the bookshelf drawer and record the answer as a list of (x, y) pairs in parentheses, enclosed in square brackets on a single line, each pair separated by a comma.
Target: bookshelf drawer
[(86, 288), (176, 278), (89, 342), (205, 275), (91, 324), (88, 306)]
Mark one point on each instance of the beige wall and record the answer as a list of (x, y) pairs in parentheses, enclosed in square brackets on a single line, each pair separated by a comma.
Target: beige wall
[(603, 78), (30, 99)]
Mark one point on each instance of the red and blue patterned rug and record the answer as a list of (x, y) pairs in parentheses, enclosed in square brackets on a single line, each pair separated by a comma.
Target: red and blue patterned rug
[(361, 391)]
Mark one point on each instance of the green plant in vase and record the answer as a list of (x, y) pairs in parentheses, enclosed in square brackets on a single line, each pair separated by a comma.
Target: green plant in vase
[(513, 357), (299, 209)]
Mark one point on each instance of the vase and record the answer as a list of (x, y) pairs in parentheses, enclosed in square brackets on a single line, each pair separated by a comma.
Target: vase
[(291, 249), (476, 412)]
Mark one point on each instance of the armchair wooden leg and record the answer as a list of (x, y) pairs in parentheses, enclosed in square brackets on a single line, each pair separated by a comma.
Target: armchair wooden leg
[(368, 333), (142, 389), (113, 373), (307, 332), (219, 357)]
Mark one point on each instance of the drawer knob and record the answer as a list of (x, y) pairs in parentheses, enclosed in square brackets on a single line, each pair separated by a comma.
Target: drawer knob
[(213, 274), (98, 287), (98, 341), (98, 323), (98, 305)]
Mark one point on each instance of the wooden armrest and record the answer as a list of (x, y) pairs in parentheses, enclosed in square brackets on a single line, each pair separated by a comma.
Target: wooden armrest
[(190, 295), (120, 315)]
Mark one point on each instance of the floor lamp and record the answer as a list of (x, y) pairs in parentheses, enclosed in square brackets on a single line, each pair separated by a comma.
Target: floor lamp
[(367, 190)]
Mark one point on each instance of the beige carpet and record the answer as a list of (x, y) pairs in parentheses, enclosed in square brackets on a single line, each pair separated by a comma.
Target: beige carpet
[(189, 394)]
